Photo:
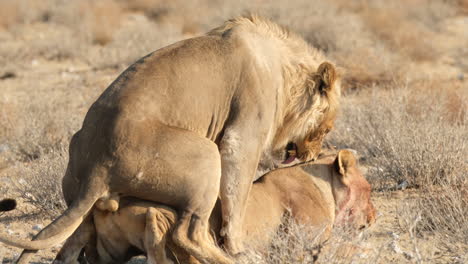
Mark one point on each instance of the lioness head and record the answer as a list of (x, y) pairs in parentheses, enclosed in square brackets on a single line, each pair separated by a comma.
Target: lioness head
[(310, 115), (352, 192)]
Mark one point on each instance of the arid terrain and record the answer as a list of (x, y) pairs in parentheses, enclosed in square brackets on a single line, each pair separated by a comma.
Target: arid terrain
[(404, 109)]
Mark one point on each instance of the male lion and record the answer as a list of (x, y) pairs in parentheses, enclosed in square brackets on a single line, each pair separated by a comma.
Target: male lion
[(195, 120), (329, 191)]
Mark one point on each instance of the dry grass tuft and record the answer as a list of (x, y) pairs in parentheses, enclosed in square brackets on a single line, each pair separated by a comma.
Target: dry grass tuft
[(438, 215), (296, 243), (47, 173), (39, 183)]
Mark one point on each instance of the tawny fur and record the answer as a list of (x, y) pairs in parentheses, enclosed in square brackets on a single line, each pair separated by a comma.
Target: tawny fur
[(311, 194), (192, 121)]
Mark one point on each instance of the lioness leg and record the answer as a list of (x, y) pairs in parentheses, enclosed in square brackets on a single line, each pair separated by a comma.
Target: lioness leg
[(157, 226), (74, 245)]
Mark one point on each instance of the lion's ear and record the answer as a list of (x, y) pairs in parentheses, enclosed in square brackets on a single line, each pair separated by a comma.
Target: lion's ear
[(344, 161), (326, 76)]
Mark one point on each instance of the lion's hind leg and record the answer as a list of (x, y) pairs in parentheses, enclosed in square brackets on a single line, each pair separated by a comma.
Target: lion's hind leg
[(199, 164), (192, 235), (185, 174)]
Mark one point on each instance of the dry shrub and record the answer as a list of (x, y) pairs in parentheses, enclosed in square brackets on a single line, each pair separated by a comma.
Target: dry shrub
[(350, 246), (408, 138), (445, 209), (35, 130), (9, 13), (405, 136), (39, 120), (39, 183), (409, 240), (297, 243), (456, 106), (438, 217)]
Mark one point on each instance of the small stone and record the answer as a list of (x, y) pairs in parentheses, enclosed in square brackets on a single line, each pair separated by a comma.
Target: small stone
[(402, 185), (4, 147), (22, 181), (37, 227)]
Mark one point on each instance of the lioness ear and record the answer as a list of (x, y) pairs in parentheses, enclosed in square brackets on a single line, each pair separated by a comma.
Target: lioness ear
[(345, 161), (326, 76)]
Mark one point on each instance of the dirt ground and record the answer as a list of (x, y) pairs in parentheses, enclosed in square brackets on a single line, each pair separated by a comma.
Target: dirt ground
[(393, 245), (55, 61)]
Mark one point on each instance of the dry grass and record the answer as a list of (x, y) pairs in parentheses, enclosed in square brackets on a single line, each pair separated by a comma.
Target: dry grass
[(414, 137), (400, 34), (406, 134), (296, 243), (344, 36), (45, 172), (405, 112)]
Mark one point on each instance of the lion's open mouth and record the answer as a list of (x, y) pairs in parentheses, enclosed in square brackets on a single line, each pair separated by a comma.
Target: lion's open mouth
[(291, 153)]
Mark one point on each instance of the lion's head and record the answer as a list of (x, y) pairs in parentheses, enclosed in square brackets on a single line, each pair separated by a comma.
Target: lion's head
[(309, 116)]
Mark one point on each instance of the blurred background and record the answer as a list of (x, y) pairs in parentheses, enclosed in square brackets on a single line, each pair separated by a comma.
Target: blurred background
[(404, 109)]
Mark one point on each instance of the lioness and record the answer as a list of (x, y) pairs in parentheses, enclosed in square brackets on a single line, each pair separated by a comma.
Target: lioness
[(331, 190), (195, 120)]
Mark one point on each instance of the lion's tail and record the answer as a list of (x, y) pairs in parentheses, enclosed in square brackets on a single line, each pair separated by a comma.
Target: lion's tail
[(7, 205), (64, 226)]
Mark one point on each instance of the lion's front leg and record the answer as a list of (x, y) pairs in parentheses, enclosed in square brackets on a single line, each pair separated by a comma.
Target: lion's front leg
[(240, 153)]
